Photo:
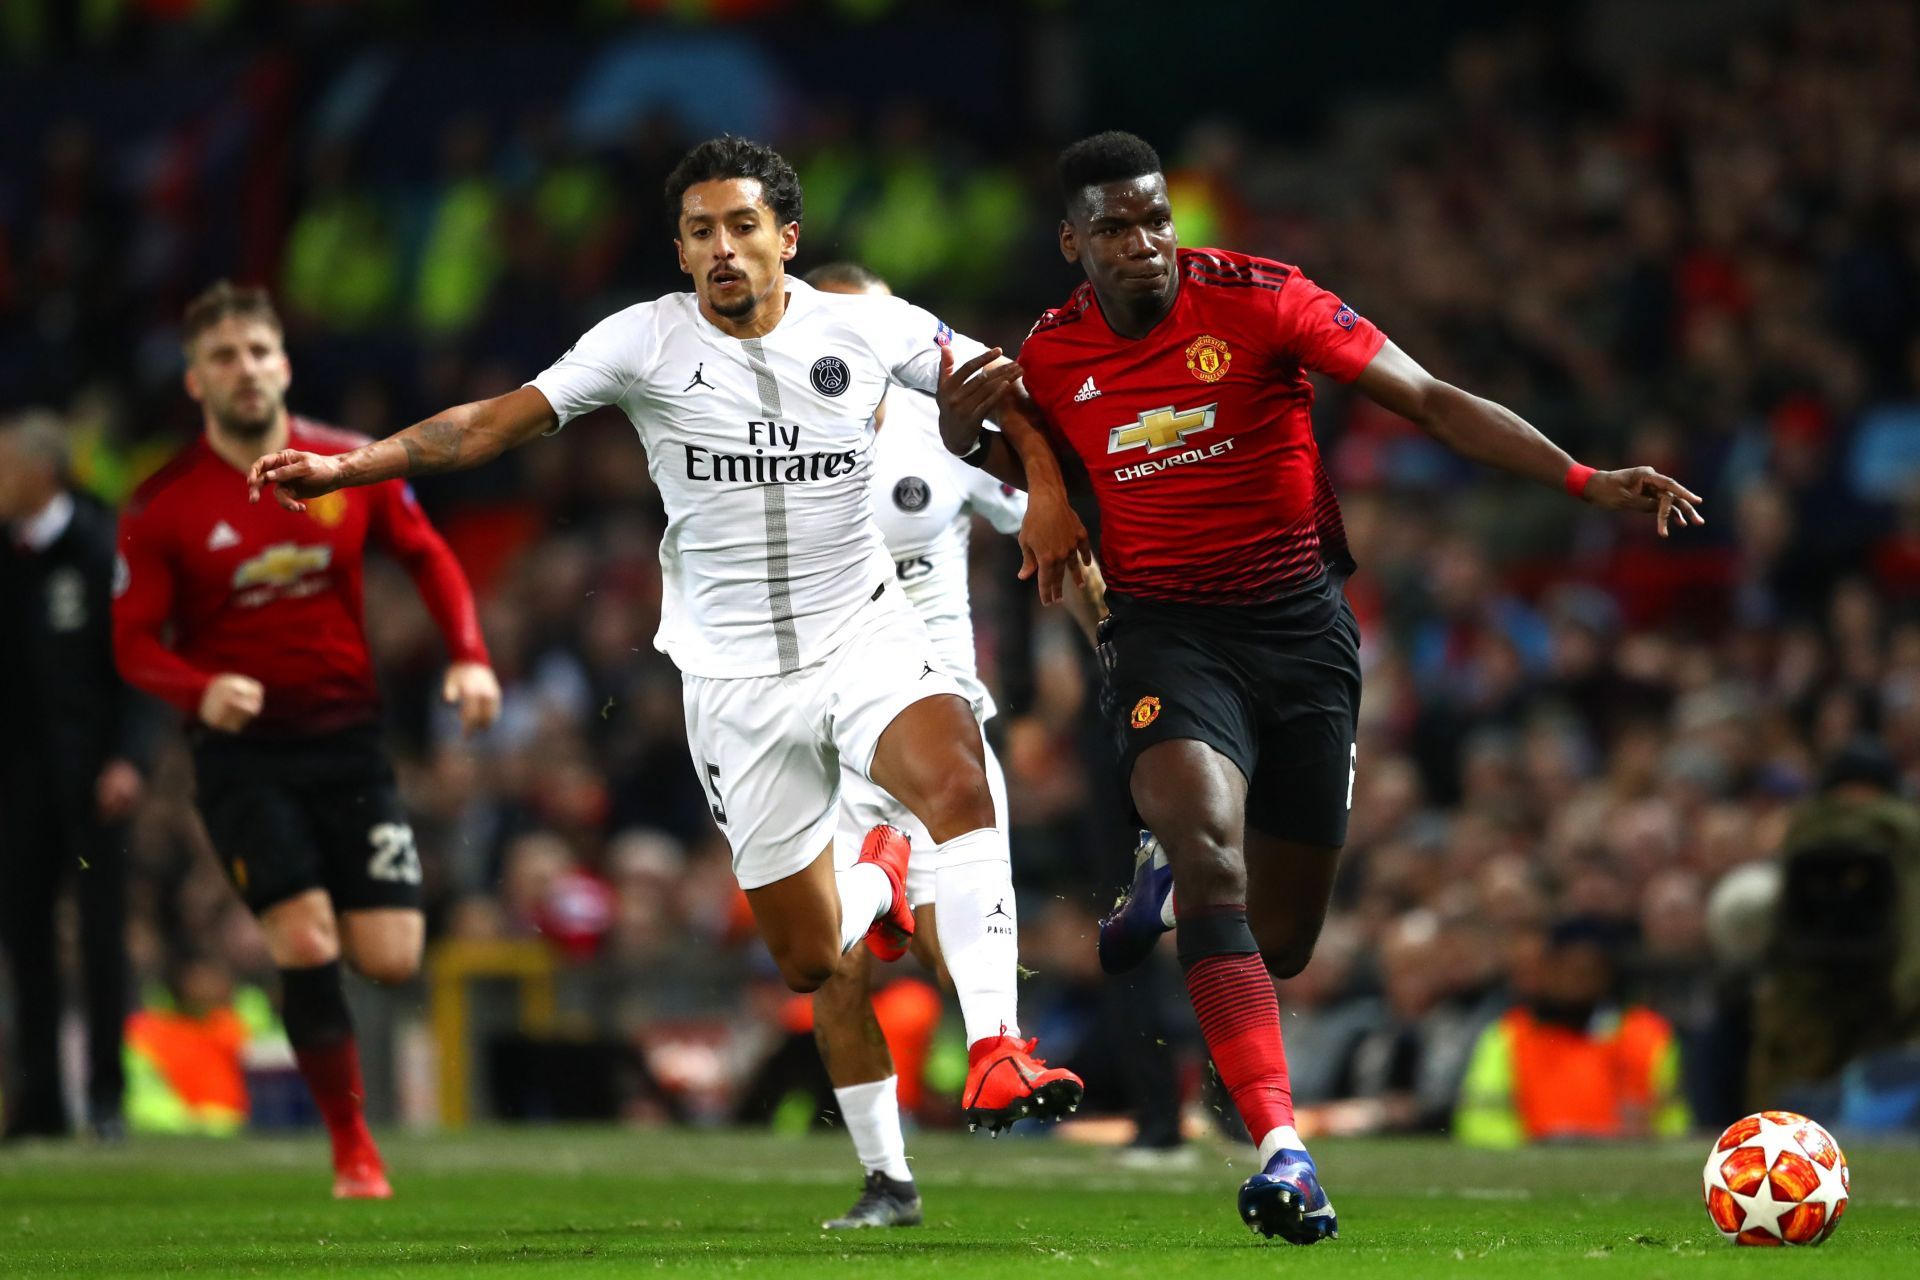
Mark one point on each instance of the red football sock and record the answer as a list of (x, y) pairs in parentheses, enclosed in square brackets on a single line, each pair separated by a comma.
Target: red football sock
[(1239, 1015), (314, 1006), (332, 1073)]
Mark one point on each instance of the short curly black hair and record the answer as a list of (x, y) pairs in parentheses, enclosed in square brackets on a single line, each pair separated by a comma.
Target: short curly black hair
[(718, 159), (1113, 156)]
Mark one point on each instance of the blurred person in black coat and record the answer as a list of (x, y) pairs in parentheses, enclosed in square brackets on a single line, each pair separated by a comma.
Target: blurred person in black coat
[(71, 736)]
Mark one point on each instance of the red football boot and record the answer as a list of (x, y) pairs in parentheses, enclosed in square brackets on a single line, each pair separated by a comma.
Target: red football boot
[(1005, 1083), (359, 1174), (887, 848)]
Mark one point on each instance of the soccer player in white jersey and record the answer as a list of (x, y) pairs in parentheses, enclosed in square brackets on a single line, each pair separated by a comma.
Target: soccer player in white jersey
[(754, 396), (924, 500)]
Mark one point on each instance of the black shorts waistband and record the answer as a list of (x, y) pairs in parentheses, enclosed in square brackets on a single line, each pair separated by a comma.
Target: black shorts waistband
[(1307, 612), (209, 744)]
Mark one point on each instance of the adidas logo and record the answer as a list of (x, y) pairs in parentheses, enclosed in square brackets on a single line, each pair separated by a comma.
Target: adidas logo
[(222, 537), (1087, 392)]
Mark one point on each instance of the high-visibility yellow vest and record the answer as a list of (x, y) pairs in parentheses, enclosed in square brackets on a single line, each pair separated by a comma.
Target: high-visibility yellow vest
[(184, 1074), (1529, 1080)]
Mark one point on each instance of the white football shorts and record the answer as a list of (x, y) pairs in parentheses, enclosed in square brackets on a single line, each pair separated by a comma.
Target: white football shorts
[(770, 750)]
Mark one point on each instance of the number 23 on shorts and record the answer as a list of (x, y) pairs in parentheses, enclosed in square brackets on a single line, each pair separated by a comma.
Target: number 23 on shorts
[(395, 859)]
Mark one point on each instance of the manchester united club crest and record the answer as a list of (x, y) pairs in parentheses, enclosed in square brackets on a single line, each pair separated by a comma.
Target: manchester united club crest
[(1208, 358), (1145, 711), (329, 508)]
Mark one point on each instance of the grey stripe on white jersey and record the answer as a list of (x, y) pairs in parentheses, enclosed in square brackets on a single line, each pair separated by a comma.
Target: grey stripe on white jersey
[(779, 586)]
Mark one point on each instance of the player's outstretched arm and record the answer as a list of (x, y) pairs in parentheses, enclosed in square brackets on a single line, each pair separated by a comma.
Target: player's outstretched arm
[(1493, 434), (461, 437)]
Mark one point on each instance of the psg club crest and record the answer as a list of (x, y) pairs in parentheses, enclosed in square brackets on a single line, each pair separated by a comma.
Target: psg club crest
[(1208, 358), (1145, 711), (911, 494), (830, 375)]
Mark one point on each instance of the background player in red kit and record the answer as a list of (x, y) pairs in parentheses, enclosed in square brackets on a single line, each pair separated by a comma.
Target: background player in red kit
[(1178, 379), (267, 653)]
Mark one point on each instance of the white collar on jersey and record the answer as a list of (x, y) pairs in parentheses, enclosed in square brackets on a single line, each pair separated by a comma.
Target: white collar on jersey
[(801, 297)]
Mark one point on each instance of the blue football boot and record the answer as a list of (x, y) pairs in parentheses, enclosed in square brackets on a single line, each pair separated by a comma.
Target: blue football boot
[(1144, 912), (1285, 1199)]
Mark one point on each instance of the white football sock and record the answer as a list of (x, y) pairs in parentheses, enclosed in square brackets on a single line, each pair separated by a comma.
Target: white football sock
[(865, 892), (872, 1113), (1284, 1138), (979, 930)]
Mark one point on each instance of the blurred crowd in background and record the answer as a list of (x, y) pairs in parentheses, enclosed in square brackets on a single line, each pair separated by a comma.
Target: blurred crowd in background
[(1709, 263)]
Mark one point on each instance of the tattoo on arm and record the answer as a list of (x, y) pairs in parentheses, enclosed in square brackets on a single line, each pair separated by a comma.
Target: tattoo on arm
[(432, 446)]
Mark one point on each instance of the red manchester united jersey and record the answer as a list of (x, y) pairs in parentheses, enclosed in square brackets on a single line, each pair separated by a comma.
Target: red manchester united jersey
[(211, 583), (1198, 437)]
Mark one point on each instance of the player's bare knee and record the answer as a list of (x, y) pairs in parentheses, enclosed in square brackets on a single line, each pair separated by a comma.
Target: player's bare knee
[(806, 968), (803, 978), (302, 941), (1207, 868), (1286, 942), (959, 802), (305, 948), (388, 968), (1285, 959)]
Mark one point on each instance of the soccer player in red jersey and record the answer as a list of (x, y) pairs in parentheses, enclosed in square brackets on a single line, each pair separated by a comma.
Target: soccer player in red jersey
[(1177, 377), (249, 619)]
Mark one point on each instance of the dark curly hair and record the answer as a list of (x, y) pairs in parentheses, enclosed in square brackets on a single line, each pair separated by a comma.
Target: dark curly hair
[(1113, 156), (718, 159)]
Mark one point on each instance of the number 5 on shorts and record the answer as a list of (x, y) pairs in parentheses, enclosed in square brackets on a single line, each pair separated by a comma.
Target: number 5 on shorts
[(713, 792)]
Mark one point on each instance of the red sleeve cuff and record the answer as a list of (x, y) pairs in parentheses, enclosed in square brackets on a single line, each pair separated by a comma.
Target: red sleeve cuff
[(475, 652), (1361, 351)]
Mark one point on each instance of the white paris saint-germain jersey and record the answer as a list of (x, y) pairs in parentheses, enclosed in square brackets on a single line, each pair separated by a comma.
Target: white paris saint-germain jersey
[(924, 499), (760, 450)]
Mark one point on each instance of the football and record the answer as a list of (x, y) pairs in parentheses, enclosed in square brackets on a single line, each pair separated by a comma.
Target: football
[(1776, 1178)]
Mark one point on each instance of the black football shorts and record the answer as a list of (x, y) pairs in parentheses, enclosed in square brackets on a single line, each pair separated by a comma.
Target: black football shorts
[(1281, 705), (287, 816)]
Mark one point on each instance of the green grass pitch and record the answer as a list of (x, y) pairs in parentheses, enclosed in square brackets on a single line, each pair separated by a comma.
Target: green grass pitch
[(601, 1201)]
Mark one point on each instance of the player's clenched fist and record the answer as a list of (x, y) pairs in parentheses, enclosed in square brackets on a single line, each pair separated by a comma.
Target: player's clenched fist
[(294, 475), (474, 689), (231, 702)]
